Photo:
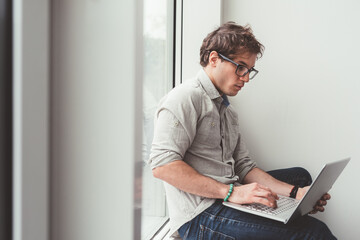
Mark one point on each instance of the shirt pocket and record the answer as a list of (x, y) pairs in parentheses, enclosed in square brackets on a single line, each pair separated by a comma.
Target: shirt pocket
[(208, 131)]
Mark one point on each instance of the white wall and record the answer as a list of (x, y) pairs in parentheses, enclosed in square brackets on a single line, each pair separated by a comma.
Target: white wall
[(198, 21), (302, 108), (96, 119)]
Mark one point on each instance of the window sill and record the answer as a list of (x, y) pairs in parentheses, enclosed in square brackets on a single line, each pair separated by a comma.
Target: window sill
[(157, 230), (163, 232)]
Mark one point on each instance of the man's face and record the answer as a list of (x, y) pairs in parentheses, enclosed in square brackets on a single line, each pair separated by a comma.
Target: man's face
[(223, 74)]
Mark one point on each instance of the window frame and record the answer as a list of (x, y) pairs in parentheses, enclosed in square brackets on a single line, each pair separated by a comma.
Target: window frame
[(187, 40), (176, 24)]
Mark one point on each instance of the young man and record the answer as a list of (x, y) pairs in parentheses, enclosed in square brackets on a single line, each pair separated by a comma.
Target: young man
[(200, 155)]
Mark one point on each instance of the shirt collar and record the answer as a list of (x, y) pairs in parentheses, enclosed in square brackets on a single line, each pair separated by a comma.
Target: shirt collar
[(209, 87), (226, 100)]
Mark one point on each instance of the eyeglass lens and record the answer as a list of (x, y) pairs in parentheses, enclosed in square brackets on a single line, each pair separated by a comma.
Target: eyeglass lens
[(242, 71)]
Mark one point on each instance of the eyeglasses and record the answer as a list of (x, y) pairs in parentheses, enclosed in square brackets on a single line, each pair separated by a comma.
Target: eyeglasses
[(241, 70)]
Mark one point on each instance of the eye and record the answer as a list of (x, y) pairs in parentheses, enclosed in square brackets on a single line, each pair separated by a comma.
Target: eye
[(241, 69)]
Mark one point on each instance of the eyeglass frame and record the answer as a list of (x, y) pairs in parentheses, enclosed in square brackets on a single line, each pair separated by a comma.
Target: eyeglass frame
[(239, 65)]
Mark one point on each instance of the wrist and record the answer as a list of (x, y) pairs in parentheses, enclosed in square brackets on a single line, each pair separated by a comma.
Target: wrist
[(223, 191), (294, 191), (231, 188), (300, 193)]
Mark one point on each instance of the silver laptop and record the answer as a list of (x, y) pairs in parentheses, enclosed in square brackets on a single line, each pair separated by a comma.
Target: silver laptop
[(289, 208)]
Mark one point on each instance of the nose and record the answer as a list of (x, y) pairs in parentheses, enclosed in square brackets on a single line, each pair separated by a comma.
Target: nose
[(245, 78)]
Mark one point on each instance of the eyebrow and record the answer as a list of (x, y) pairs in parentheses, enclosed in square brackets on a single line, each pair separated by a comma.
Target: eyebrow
[(244, 63)]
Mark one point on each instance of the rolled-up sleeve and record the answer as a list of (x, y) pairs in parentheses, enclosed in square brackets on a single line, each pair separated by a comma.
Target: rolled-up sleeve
[(171, 140), (175, 125), (243, 162)]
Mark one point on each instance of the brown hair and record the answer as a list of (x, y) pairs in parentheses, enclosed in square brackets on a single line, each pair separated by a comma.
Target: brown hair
[(230, 39)]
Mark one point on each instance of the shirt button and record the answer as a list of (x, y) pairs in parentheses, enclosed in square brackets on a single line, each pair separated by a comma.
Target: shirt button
[(176, 123), (213, 124)]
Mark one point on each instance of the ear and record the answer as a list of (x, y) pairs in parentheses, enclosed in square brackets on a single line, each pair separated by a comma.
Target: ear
[(213, 58)]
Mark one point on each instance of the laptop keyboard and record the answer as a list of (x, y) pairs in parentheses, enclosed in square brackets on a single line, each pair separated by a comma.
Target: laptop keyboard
[(283, 203)]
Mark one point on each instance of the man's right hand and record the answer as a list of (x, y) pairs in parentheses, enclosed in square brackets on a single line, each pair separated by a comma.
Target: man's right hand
[(254, 193)]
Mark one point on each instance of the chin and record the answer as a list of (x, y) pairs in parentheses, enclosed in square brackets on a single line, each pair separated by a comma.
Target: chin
[(232, 94)]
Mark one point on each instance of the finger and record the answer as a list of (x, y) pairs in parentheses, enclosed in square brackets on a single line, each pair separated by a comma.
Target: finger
[(265, 201), (313, 212), (319, 208), (267, 194), (321, 203), (266, 189), (269, 190), (326, 196)]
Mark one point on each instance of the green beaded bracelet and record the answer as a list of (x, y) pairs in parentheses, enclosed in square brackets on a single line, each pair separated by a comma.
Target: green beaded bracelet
[(229, 193)]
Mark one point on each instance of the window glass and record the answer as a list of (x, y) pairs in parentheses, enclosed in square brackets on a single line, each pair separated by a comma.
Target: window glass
[(158, 80)]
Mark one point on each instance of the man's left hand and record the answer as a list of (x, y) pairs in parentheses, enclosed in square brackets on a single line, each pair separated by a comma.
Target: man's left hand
[(319, 207)]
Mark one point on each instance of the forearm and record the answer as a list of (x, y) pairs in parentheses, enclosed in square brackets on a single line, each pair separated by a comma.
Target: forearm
[(184, 177), (263, 178)]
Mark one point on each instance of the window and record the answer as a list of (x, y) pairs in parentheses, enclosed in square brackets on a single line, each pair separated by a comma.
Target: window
[(158, 80)]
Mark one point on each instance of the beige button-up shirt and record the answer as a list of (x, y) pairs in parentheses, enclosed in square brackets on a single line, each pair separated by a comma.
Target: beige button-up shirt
[(194, 123)]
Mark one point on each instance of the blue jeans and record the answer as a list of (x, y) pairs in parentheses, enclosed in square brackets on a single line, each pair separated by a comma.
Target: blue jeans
[(221, 222)]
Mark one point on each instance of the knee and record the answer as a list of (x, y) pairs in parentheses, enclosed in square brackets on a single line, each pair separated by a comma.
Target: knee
[(303, 177)]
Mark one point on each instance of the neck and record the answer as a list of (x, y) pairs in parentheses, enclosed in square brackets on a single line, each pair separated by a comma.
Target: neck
[(209, 72)]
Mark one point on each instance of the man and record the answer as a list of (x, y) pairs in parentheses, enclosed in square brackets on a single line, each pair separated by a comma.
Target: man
[(200, 155)]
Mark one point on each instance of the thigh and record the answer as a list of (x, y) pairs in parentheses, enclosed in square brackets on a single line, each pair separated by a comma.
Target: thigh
[(295, 176), (221, 222)]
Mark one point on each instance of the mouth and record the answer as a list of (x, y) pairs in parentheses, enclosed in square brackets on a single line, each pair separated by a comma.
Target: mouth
[(238, 86)]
